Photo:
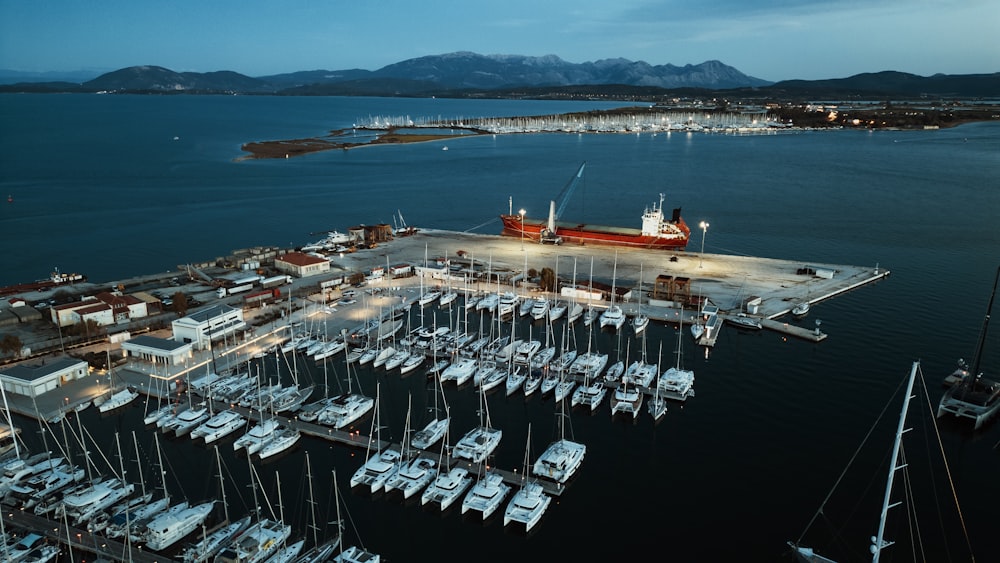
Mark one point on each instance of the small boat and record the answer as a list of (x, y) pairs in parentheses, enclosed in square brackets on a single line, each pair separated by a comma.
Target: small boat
[(742, 320), (973, 396), (118, 399), (219, 426), (281, 440), (800, 309)]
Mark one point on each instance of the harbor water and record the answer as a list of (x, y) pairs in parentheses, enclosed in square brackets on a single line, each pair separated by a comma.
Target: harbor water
[(118, 186)]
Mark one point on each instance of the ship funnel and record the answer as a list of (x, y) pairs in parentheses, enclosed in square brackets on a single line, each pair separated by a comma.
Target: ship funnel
[(552, 216)]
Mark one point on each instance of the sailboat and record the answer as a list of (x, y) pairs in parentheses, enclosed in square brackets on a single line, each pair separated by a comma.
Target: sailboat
[(563, 457), (436, 427), (676, 383), (613, 316), (380, 464), (897, 461), (972, 395), (529, 503), (414, 471), (480, 442), (575, 309), (446, 487), (657, 406), (641, 321), (118, 398), (352, 554)]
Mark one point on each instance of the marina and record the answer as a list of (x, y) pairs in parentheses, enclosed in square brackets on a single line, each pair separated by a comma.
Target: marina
[(772, 405)]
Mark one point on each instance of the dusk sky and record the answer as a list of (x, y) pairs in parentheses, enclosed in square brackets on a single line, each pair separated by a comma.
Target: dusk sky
[(769, 39)]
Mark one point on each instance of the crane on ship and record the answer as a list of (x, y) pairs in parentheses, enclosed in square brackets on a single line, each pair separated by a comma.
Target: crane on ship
[(548, 234)]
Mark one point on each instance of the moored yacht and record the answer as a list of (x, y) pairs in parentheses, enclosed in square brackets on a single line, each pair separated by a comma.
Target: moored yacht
[(626, 400), (377, 470), (345, 410), (212, 543), (447, 487), (486, 495), (281, 440), (527, 506), (412, 476), (256, 544), (219, 426), (559, 461), (165, 531), (478, 444)]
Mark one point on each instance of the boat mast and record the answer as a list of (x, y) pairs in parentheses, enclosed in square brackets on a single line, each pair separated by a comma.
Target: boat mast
[(312, 502), (222, 484), (879, 542), (976, 374)]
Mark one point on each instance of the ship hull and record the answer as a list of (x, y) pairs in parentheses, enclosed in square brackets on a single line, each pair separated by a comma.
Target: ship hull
[(594, 234)]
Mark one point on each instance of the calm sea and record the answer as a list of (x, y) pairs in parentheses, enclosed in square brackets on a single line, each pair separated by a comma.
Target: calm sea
[(115, 186)]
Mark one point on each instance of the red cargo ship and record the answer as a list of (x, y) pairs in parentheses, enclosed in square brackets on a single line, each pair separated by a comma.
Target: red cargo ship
[(56, 279), (656, 232)]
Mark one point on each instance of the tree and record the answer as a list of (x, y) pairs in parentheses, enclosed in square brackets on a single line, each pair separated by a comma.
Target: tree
[(548, 280), (10, 344), (180, 303)]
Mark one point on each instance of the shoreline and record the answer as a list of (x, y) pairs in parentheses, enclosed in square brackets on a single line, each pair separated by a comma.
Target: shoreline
[(288, 148)]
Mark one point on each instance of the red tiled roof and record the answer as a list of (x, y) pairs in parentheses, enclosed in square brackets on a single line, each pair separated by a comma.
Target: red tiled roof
[(300, 259)]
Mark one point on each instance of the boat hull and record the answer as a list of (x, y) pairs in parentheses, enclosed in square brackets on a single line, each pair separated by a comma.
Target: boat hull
[(583, 233)]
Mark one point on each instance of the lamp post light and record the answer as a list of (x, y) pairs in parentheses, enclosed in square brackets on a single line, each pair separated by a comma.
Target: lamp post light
[(521, 213), (704, 231)]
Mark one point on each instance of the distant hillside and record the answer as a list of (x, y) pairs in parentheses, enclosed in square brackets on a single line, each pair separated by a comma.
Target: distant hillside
[(465, 74), (892, 83), (159, 79)]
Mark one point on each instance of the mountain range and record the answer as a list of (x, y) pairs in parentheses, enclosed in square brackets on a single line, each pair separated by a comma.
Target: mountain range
[(471, 74)]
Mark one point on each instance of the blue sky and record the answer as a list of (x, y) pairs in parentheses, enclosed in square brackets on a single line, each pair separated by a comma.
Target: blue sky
[(769, 39)]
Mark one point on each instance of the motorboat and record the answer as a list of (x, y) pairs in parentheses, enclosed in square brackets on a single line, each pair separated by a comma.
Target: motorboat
[(505, 306), (540, 309), (166, 530), (525, 308), (742, 320), (526, 351), (447, 487), (345, 409), (560, 460), (219, 426), (355, 554), (486, 495), (800, 309), (185, 421)]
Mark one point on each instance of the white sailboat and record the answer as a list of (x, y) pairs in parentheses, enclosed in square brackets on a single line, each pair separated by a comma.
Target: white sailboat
[(641, 321), (446, 487), (530, 502), (379, 465), (480, 442), (898, 461), (613, 316)]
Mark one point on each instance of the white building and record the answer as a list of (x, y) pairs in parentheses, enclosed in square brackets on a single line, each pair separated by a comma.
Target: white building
[(213, 323), (157, 351), (301, 265), (33, 380)]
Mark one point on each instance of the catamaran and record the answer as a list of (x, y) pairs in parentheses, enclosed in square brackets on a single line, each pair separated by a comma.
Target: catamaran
[(530, 502)]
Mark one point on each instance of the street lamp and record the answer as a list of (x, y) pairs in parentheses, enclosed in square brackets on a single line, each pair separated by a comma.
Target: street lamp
[(704, 230), (521, 213)]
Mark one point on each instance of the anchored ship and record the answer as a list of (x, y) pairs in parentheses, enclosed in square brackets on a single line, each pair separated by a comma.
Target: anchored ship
[(657, 231), (56, 279)]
